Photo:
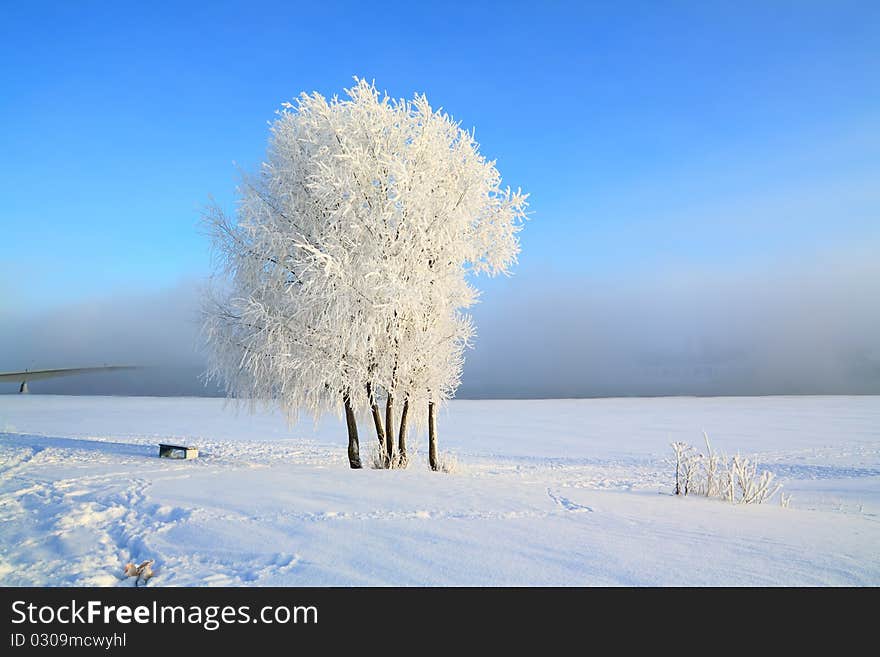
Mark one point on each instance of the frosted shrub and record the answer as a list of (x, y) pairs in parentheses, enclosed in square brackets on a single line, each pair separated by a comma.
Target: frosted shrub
[(746, 485), (686, 467), (712, 467), (449, 463), (736, 480), (379, 458)]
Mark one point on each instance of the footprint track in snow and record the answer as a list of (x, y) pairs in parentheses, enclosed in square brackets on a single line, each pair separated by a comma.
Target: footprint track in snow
[(567, 504)]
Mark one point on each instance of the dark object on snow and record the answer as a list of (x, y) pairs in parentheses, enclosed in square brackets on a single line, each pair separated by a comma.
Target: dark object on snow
[(177, 452)]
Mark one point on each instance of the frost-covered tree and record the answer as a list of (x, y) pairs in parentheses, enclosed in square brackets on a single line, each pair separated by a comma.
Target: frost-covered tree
[(345, 275)]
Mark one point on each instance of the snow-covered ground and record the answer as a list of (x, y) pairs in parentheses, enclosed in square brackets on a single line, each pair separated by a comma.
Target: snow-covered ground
[(557, 492)]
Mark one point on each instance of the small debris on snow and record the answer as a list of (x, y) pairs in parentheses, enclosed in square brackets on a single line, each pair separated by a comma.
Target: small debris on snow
[(143, 572)]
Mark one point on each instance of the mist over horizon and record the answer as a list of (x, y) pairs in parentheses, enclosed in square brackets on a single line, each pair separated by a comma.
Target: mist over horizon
[(803, 328)]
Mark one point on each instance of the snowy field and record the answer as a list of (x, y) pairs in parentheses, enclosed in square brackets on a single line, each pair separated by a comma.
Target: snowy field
[(557, 492)]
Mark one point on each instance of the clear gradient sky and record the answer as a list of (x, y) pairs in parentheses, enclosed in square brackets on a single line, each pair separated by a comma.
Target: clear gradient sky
[(683, 142)]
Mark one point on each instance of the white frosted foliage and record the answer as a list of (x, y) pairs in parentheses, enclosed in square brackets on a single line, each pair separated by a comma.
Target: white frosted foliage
[(349, 261)]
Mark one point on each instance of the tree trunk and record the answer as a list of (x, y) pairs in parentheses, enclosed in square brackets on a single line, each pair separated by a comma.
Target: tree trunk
[(389, 425), (354, 451), (377, 420), (377, 416), (401, 439), (432, 436)]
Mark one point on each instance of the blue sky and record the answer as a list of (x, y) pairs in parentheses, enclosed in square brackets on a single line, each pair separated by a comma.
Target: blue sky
[(677, 140)]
